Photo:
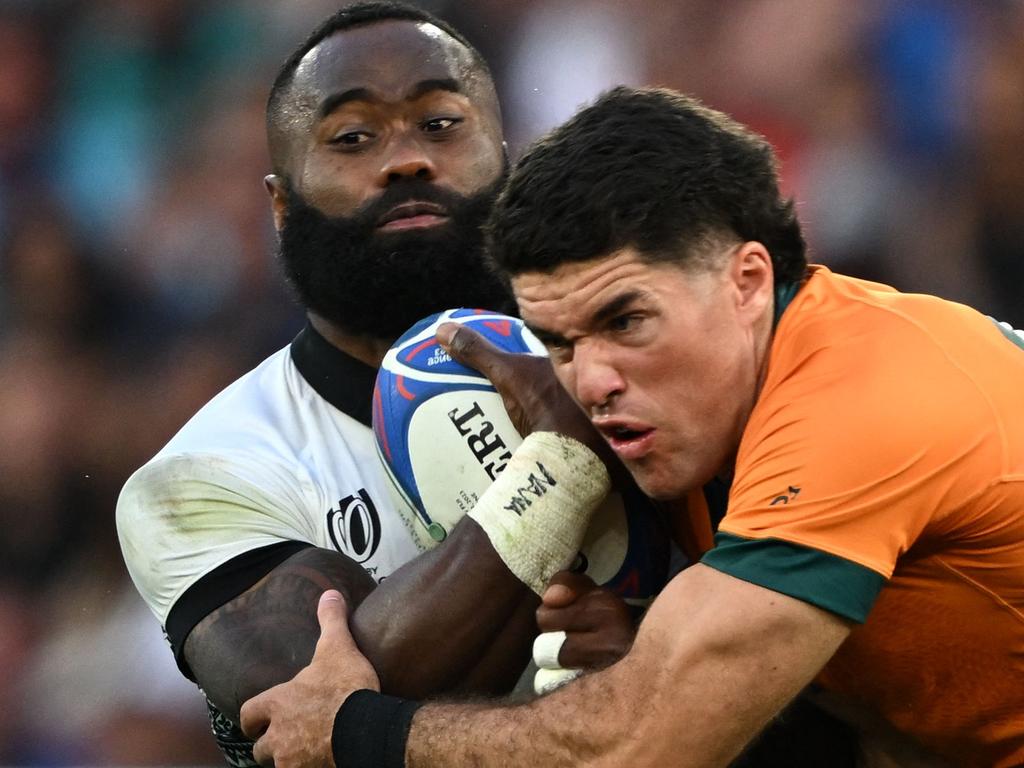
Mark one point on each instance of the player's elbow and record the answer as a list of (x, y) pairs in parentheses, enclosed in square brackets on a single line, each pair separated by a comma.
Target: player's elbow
[(653, 739), (397, 658)]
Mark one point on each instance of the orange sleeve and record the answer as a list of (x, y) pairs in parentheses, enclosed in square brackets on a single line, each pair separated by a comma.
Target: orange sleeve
[(862, 436)]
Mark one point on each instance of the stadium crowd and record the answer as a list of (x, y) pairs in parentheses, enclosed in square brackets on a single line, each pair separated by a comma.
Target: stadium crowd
[(137, 272)]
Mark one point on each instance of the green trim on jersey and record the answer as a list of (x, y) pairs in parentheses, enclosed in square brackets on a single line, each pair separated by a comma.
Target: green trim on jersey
[(827, 581), (784, 293), (1017, 337)]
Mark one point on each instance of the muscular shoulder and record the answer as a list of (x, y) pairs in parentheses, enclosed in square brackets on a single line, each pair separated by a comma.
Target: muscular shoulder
[(863, 330), (263, 462), (181, 516), (880, 369), (275, 429), (268, 411), (881, 415), (267, 445)]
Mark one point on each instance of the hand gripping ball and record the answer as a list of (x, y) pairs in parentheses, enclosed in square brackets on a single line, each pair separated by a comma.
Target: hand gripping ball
[(443, 436)]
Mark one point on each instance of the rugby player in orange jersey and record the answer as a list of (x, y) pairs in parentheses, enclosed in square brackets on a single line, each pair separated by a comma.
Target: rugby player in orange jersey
[(874, 538)]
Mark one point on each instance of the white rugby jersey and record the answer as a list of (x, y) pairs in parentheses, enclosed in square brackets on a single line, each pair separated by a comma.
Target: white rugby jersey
[(282, 459)]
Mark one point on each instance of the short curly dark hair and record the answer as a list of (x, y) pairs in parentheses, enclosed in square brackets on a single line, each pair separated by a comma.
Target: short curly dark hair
[(650, 169)]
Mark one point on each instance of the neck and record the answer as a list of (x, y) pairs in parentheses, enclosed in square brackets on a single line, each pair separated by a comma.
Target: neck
[(764, 332), (763, 335), (366, 349)]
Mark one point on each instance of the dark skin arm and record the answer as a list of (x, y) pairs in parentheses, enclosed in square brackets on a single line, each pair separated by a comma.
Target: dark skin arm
[(455, 619)]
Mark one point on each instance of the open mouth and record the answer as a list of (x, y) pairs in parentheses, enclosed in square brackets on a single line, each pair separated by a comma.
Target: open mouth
[(630, 440), (413, 215), (624, 433)]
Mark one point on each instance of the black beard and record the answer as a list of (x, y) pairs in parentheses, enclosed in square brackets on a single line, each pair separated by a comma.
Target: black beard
[(378, 284)]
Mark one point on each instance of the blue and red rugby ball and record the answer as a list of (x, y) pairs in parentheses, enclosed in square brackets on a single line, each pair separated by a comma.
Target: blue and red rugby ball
[(443, 436)]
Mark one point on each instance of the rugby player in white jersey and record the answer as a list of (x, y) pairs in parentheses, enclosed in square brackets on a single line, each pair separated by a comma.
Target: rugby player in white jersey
[(386, 145)]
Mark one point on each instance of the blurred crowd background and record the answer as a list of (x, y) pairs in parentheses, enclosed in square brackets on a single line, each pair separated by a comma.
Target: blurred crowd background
[(137, 269)]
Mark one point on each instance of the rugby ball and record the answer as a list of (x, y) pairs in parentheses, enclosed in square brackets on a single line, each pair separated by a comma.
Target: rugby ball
[(443, 436)]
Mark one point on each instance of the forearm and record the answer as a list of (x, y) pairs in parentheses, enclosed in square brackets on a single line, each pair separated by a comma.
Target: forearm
[(611, 718), (267, 634), (472, 596), (452, 619), (692, 691), (588, 723), (455, 618), (715, 659)]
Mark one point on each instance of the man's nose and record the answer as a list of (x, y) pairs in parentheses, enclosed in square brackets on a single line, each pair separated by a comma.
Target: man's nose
[(596, 379), (407, 159)]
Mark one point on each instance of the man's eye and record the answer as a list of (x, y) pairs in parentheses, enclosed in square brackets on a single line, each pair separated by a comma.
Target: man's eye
[(625, 322), (351, 138), (559, 350), (438, 124)]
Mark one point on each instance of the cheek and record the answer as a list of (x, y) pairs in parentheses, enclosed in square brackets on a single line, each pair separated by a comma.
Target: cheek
[(336, 188), (696, 383), (473, 164), (722, 388)]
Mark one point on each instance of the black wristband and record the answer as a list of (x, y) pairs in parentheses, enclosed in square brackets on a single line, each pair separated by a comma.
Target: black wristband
[(370, 730)]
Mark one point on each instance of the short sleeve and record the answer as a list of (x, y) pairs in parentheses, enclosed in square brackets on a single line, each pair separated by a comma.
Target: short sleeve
[(180, 517), (857, 444)]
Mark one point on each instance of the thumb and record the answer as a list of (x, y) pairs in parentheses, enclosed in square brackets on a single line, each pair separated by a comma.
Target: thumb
[(565, 588), (332, 613), (473, 350), (254, 716)]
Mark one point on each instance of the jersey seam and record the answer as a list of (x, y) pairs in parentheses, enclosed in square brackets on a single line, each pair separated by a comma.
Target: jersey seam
[(981, 588), (1007, 478)]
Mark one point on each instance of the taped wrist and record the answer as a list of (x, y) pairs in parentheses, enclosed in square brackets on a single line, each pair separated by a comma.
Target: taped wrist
[(537, 511), (371, 729)]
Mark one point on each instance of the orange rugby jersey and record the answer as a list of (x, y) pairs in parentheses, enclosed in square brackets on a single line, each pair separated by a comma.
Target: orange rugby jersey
[(881, 477)]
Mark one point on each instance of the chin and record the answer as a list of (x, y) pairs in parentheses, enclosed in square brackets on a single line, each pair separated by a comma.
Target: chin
[(663, 493), (669, 478), (660, 486)]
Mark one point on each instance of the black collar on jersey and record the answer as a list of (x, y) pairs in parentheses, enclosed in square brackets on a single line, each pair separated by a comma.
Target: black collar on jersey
[(340, 379)]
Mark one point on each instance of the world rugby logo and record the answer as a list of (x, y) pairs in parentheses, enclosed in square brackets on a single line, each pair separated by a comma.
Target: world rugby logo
[(354, 527)]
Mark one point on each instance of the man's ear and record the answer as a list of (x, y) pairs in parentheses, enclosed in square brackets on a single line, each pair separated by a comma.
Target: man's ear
[(754, 279), (278, 189)]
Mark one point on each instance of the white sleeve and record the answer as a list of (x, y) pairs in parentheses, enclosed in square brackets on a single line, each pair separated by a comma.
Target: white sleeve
[(181, 516)]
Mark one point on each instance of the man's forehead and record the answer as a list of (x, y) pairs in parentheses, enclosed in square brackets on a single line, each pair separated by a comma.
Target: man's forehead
[(385, 58)]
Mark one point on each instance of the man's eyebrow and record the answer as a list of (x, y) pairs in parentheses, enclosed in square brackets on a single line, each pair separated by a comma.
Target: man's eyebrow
[(605, 312), (336, 100), (547, 338), (436, 84), (615, 305)]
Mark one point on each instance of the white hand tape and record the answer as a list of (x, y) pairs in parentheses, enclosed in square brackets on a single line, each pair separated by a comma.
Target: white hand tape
[(546, 648), (537, 511), (547, 680)]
